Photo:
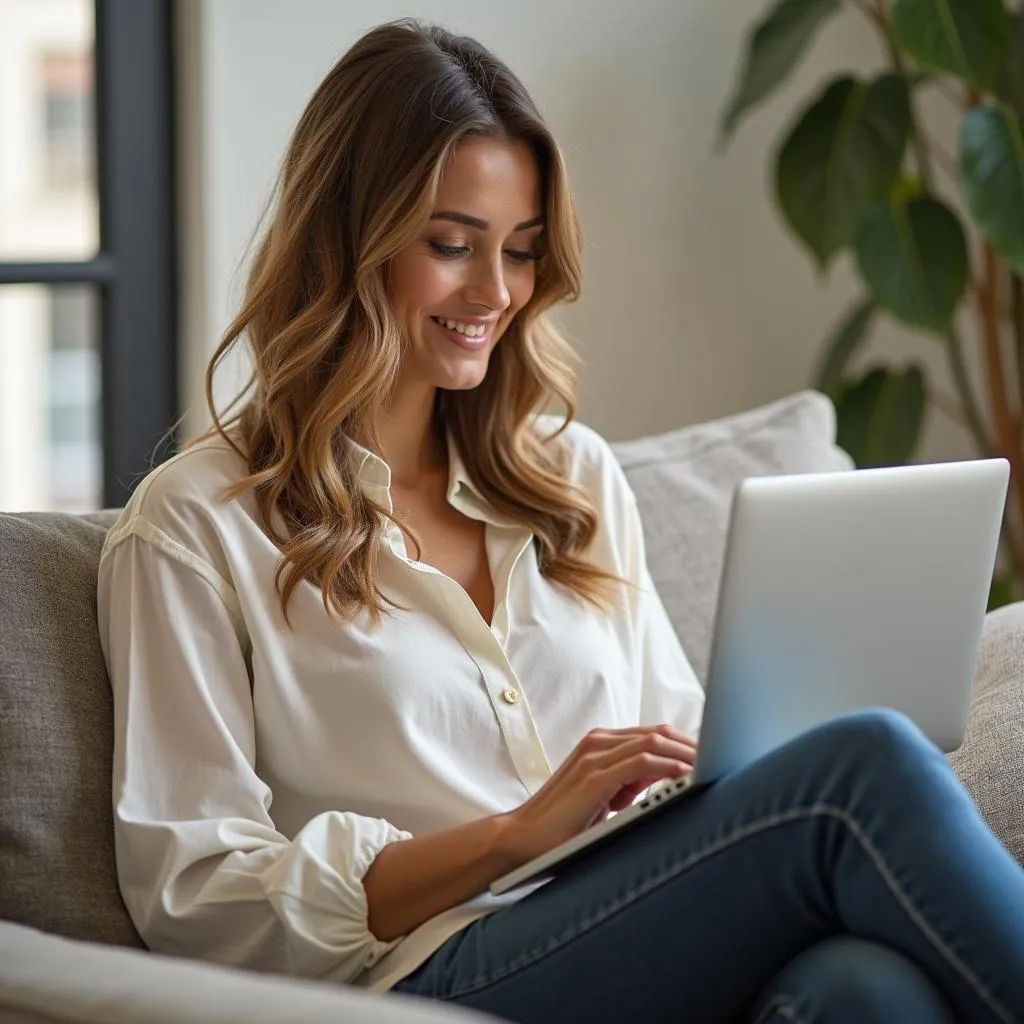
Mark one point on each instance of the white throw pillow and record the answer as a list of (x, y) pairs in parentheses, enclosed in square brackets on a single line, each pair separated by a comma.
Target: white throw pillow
[(684, 482)]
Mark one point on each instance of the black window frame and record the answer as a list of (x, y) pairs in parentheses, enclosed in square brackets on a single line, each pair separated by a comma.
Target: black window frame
[(135, 269)]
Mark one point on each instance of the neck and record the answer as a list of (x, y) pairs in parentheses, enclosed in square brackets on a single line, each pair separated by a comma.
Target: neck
[(410, 441)]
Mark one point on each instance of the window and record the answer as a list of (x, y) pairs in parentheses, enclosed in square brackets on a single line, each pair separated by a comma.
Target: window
[(67, 119), (87, 311)]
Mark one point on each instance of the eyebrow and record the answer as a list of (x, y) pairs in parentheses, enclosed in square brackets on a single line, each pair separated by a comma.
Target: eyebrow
[(482, 225)]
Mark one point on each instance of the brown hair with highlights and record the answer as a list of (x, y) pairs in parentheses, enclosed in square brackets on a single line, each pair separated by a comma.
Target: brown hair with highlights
[(358, 182)]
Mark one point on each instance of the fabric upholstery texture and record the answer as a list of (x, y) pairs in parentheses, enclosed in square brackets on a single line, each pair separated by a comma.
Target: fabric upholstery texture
[(56, 732), (991, 760)]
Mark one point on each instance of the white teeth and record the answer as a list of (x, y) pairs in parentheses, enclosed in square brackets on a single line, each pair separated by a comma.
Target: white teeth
[(469, 330)]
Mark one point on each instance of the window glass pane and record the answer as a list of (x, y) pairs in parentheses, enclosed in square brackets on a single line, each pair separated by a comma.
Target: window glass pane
[(48, 197), (50, 454)]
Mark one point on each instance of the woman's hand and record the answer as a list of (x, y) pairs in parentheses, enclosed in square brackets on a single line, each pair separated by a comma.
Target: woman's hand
[(411, 881), (607, 771)]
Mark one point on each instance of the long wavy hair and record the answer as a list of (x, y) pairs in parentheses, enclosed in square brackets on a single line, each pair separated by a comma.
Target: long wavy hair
[(357, 184)]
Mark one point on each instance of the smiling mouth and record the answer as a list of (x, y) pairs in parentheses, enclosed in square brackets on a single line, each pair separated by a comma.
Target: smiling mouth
[(470, 331), (459, 334)]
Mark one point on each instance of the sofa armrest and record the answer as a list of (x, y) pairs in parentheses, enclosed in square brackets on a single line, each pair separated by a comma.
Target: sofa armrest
[(45, 979), (991, 760)]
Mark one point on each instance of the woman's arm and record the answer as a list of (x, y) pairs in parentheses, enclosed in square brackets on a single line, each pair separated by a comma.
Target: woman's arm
[(410, 882), (203, 869)]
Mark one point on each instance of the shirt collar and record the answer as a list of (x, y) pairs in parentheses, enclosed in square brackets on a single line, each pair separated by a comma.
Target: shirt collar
[(459, 482), (373, 476)]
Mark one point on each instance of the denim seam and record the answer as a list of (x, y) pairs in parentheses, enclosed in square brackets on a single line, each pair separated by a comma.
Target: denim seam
[(744, 832), (916, 916)]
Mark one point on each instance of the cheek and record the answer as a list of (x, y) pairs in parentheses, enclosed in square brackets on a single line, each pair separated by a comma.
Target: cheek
[(521, 287), (419, 281)]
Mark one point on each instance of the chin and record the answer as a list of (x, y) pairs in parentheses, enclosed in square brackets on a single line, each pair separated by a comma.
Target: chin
[(465, 377), (461, 381)]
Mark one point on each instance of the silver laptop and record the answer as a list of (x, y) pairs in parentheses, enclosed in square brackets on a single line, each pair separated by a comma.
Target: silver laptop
[(839, 592)]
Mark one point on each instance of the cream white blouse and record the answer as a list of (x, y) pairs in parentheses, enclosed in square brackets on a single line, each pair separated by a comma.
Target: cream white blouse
[(258, 769)]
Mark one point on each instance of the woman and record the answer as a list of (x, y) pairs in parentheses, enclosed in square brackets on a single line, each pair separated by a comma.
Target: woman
[(386, 634)]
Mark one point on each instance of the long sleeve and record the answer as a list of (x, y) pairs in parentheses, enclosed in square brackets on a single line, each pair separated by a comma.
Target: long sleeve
[(203, 870)]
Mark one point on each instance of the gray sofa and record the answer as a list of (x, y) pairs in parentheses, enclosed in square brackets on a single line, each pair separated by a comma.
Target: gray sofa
[(69, 952)]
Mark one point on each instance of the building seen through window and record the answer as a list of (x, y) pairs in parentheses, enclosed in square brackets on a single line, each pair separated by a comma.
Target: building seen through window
[(50, 453)]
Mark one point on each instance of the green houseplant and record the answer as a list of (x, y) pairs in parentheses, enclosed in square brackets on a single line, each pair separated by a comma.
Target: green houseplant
[(858, 171)]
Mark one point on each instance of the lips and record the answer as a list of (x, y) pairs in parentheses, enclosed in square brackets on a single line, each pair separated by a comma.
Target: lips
[(471, 329), (473, 342)]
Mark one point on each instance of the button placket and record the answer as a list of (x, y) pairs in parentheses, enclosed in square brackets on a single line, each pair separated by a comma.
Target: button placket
[(518, 728)]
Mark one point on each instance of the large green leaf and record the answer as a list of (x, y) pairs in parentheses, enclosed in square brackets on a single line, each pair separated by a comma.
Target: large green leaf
[(1010, 78), (992, 177), (844, 153), (913, 255), (774, 47), (964, 37), (879, 417), (840, 347)]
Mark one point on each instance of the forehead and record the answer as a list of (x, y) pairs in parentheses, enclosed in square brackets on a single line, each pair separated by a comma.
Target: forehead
[(493, 179)]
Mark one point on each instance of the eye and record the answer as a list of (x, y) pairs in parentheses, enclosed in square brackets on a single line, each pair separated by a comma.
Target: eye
[(518, 256), (449, 250)]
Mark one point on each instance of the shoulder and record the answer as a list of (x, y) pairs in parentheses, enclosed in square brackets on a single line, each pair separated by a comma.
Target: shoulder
[(195, 479), (587, 459), (183, 499)]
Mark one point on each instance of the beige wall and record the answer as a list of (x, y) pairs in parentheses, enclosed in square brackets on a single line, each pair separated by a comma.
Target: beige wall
[(696, 303)]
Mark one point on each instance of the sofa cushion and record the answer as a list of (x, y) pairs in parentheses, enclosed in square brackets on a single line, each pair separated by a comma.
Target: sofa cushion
[(57, 867), (49, 980), (991, 760), (684, 481)]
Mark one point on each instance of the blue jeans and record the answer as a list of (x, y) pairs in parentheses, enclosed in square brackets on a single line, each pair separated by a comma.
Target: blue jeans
[(846, 876)]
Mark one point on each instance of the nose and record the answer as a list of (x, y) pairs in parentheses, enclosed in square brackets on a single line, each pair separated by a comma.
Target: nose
[(486, 285)]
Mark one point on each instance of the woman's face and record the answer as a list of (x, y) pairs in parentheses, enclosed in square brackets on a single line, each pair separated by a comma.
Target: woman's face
[(457, 286)]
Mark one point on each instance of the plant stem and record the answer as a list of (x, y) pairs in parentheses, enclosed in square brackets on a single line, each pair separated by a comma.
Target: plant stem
[(868, 13), (1017, 325), (987, 296), (972, 412), (976, 427), (1013, 552), (1007, 435)]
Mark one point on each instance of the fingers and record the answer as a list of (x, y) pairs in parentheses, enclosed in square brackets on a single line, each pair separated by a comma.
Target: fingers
[(600, 746), (611, 736), (607, 761), (644, 767), (606, 771), (601, 753), (628, 794), (603, 785)]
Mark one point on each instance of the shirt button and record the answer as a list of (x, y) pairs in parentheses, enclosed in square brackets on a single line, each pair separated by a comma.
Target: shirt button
[(511, 696)]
